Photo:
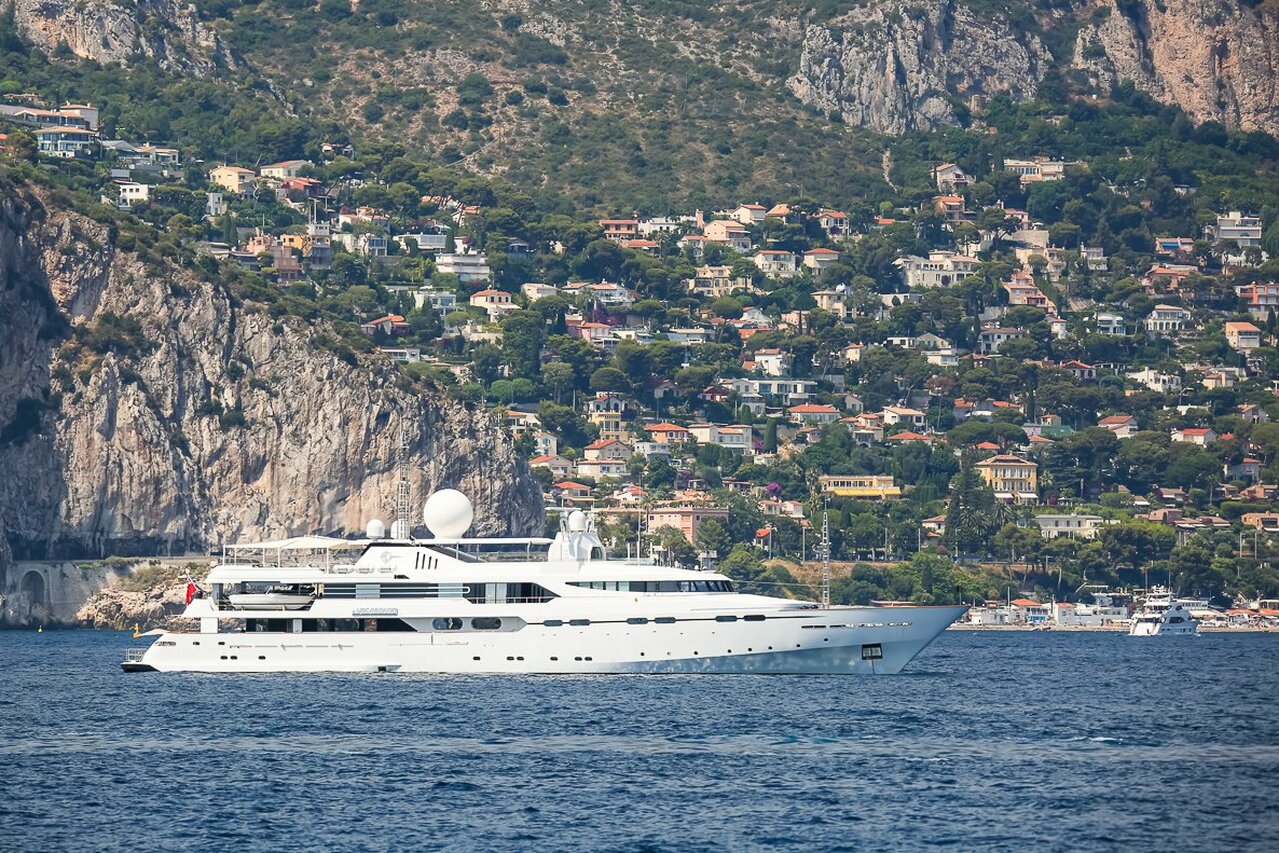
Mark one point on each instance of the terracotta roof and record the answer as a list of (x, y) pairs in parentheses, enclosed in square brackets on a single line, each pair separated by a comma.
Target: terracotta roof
[(813, 408), (665, 427)]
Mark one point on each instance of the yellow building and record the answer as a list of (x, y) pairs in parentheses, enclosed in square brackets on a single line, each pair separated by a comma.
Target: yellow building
[(863, 486), (232, 178), (1011, 477)]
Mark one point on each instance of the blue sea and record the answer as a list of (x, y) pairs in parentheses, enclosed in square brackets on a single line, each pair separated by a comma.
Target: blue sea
[(989, 741)]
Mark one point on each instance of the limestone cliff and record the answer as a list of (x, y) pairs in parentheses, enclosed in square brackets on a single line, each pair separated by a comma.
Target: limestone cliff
[(144, 409), (119, 31), (902, 66), (1216, 59)]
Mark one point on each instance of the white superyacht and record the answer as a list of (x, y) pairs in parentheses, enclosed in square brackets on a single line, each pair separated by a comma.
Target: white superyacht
[(452, 604)]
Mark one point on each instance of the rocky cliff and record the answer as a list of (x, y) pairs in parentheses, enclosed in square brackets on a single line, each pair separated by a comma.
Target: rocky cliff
[(1216, 59), (903, 65), (144, 409), (119, 31)]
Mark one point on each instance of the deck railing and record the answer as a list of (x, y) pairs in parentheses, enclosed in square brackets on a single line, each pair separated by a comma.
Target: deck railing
[(134, 655)]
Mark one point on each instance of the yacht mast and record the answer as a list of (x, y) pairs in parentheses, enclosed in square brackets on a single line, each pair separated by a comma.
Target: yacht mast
[(825, 558), (403, 492)]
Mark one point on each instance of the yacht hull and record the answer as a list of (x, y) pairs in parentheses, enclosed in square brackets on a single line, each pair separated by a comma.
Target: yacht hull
[(835, 641)]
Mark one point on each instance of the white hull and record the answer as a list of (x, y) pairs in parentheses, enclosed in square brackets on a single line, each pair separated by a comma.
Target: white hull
[(1158, 629), (849, 640)]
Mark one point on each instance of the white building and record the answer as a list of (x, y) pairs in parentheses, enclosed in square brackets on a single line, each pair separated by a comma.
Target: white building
[(1243, 231), (1167, 320), (468, 268), (1155, 380), (1052, 525), (939, 269)]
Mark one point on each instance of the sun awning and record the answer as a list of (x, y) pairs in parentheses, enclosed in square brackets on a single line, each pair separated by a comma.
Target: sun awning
[(302, 543)]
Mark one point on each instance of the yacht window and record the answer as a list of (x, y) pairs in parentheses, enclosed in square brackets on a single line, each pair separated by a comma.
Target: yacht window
[(725, 618), (872, 651), (755, 617), (579, 622), (446, 624), (553, 623), (597, 553), (486, 623), (637, 620), (665, 620)]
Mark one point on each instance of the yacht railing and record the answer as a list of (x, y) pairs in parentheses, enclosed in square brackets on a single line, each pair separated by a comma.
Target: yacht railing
[(134, 655)]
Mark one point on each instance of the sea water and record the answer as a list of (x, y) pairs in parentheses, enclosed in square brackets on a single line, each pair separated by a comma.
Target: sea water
[(989, 741)]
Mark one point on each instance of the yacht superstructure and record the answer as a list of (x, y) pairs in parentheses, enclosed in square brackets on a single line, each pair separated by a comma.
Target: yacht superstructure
[(452, 604)]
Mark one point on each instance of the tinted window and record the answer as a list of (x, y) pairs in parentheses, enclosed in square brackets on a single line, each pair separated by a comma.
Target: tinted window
[(443, 624), (486, 623), (637, 620), (725, 618)]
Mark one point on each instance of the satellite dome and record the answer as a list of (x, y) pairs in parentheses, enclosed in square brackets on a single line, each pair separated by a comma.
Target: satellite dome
[(375, 529), (448, 514), (577, 521)]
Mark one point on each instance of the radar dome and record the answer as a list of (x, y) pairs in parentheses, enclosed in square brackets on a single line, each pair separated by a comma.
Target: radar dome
[(577, 521), (375, 529), (448, 514)]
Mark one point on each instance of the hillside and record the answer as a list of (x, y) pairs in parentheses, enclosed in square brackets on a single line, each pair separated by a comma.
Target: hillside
[(643, 105), (149, 407)]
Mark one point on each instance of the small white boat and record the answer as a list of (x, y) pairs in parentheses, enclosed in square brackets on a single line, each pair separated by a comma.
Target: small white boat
[(1161, 614), (269, 600)]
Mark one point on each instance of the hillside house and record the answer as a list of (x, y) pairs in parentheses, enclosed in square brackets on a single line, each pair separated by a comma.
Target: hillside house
[(284, 169), (1012, 478), (233, 179), (749, 214), (1260, 299), (819, 260), (813, 413), (469, 268), (1155, 380), (1235, 227), (667, 433), (1123, 426), (1052, 525), (1111, 324), (1242, 336), (496, 303), (833, 222), (1202, 436), (950, 178), (1166, 320), (619, 230), (728, 232), (606, 411), (777, 263), (939, 269), (878, 486)]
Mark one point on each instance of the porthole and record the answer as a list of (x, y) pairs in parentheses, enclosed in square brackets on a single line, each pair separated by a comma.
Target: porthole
[(510, 657), (223, 657), (477, 657), (588, 657), (665, 620), (554, 658), (577, 658), (261, 657), (195, 642), (235, 657)]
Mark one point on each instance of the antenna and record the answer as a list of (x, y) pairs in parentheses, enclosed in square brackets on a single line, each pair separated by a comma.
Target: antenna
[(825, 558)]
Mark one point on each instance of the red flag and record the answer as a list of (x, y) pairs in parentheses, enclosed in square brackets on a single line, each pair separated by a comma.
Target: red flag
[(191, 591)]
